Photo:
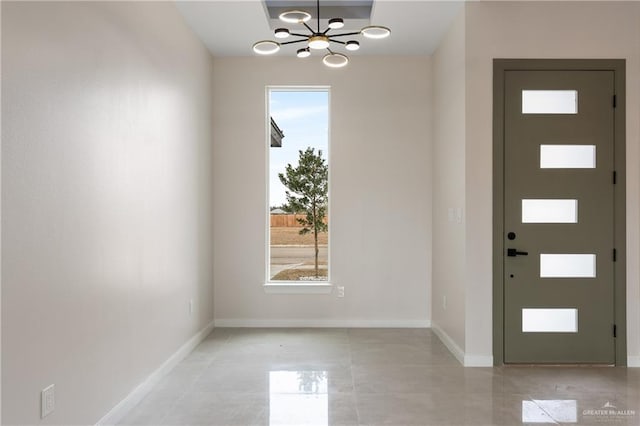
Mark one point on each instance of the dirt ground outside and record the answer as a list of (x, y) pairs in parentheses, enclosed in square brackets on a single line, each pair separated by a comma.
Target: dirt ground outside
[(283, 236), (292, 255), (300, 274)]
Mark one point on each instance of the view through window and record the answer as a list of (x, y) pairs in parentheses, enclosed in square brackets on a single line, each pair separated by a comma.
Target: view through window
[(298, 184)]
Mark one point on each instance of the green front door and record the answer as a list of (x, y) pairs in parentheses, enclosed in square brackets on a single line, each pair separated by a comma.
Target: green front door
[(559, 216)]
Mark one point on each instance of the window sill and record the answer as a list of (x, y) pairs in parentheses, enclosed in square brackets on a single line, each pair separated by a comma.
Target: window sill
[(298, 287)]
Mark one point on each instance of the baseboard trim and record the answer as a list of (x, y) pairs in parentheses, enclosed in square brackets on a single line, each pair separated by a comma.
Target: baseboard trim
[(633, 361), (478, 361), (319, 323), (448, 342), (118, 412), (464, 359)]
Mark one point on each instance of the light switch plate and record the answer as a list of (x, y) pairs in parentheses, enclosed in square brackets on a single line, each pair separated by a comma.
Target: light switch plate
[(48, 400)]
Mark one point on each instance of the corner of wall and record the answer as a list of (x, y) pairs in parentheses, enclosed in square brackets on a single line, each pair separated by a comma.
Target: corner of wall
[(449, 204), (453, 347), (117, 413)]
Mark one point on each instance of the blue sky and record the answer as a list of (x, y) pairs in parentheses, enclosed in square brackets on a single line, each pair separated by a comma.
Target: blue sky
[(303, 116)]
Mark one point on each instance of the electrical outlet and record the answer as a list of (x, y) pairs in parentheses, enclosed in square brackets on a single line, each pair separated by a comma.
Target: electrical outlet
[(340, 291), (191, 307), (48, 398), (444, 302)]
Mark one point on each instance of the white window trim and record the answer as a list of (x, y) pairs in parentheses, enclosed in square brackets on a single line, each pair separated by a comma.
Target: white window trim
[(298, 287), (294, 287)]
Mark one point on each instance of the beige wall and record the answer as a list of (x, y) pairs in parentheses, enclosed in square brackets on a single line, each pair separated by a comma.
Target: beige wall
[(106, 201), (541, 30), (0, 217), (380, 159), (449, 257)]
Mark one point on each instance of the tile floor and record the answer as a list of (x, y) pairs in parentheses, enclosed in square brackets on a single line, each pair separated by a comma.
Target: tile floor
[(374, 377)]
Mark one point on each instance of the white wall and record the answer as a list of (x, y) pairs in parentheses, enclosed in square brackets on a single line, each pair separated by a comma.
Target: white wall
[(541, 30), (0, 220), (106, 201), (449, 256), (380, 165)]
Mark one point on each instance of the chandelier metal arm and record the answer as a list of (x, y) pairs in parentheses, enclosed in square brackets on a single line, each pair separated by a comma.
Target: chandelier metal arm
[(344, 34), (337, 41), (294, 41), (299, 35), (308, 27)]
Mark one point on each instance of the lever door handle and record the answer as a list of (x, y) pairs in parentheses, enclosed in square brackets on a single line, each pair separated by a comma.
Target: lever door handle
[(511, 252)]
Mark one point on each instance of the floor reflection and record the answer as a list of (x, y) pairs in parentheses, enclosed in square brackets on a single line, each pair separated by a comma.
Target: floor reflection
[(377, 377), (550, 411), (298, 398)]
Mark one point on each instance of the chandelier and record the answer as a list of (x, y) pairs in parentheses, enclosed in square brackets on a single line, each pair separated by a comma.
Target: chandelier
[(317, 39)]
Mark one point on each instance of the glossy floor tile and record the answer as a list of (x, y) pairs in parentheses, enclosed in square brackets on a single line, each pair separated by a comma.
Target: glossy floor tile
[(374, 377)]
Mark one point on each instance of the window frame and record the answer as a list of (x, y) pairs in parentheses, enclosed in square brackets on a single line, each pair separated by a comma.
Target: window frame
[(294, 287)]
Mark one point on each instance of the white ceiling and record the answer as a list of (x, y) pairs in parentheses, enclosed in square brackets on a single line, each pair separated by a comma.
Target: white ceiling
[(229, 28)]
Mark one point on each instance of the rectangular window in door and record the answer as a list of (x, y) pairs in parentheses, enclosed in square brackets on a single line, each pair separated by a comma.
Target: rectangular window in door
[(567, 156), (549, 211), (549, 101), (549, 320), (567, 266)]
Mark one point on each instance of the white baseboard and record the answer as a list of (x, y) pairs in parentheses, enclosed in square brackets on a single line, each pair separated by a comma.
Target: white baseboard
[(320, 323), (633, 361), (118, 412), (478, 361), (464, 359), (448, 342)]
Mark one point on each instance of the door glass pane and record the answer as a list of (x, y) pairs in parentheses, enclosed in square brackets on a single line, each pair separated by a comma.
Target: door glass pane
[(550, 411), (549, 101), (567, 156), (543, 320), (567, 265), (549, 211)]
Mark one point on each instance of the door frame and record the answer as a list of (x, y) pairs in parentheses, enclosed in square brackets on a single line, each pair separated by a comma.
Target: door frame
[(500, 66)]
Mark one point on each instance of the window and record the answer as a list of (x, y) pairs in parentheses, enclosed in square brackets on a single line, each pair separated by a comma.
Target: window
[(567, 156), (298, 193), (549, 101)]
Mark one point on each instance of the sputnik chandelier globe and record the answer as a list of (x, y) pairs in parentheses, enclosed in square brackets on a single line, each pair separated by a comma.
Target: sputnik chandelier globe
[(317, 39)]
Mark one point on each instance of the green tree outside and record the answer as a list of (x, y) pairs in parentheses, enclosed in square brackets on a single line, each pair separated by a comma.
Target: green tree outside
[(307, 193)]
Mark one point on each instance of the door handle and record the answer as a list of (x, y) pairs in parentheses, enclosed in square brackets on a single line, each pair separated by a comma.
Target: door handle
[(511, 252)]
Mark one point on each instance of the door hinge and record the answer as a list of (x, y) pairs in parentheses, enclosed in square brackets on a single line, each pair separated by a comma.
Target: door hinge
[(614, 101), (615, 331), (615, 255), (615, 177)]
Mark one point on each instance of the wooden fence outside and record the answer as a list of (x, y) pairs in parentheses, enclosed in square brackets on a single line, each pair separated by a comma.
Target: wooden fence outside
[(287, 220)]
